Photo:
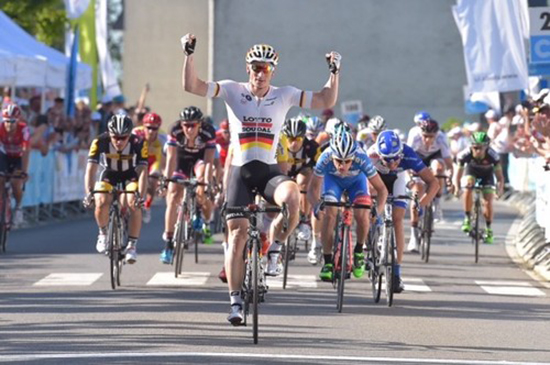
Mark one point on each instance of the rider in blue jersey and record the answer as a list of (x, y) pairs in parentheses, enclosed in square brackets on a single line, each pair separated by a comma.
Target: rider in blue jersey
[(392, 159), (344, 167)]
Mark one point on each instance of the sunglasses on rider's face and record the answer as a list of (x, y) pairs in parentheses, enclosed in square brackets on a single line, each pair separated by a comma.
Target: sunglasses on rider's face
[(428, 136), (343, 162), (391, 159), (119, 138), (153, 128), (264, 67), (11, 121), (190, 125), (295, 139), (477, 148)]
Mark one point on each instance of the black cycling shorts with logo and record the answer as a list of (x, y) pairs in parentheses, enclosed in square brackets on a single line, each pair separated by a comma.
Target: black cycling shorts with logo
[(114, 177), (8, 164), (252, 175)]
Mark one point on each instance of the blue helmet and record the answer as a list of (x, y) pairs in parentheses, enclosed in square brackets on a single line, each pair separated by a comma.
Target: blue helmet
[(314, 124), (421, 116), (389, 145), (342, 144)]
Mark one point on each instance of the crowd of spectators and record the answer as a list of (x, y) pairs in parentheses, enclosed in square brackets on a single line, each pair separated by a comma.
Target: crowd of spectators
[(55, 130)]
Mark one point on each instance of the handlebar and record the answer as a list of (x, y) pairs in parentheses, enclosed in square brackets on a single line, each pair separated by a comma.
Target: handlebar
[(344, 204)]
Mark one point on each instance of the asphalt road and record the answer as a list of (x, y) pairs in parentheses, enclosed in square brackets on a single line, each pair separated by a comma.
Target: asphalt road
[(56, 306)]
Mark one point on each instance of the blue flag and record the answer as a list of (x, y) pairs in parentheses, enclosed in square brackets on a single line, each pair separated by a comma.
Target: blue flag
[(71, 75)]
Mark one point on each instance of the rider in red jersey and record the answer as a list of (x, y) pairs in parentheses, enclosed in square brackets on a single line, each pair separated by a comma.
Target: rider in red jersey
[(14, 154)]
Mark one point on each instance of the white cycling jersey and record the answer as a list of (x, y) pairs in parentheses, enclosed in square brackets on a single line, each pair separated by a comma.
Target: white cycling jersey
[(255, 123), (439, 144)]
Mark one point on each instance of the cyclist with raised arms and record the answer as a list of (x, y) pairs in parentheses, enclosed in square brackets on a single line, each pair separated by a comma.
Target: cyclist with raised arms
[(392, 159), (190, 153), (149, 132), (14, 154), (479, 161), (431, 145), (344, 167), (256, 112), (123, 157)]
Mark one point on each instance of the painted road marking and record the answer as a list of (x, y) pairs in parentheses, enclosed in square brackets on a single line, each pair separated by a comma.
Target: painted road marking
[(68, 279), (293, 281), (185, 279), (266, 356), (415, 284), (520, 288)]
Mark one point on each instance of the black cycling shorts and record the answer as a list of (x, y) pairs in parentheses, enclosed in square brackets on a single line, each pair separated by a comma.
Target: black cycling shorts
[(244, 179), (8, 164), (487, 180), (114, 177), (434, 156), (187, 161)]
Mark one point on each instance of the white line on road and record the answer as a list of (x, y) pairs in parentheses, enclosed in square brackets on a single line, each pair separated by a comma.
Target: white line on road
[(185, 279), (293, 281), (355, 359), (72, 279), (415, 284), (521, 288)]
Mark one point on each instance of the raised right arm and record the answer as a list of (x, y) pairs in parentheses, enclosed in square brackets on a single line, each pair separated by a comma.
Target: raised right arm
[(189, 79)]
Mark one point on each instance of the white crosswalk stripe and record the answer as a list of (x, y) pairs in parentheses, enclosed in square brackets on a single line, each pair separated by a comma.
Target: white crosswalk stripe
[(415, 284), (68, 279), (519, 288), (185, 279), (293, 281)]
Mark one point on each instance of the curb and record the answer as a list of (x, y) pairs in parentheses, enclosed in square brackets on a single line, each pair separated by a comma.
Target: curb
[(530, 241)]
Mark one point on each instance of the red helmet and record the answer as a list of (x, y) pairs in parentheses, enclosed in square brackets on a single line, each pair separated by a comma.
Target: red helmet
[(224, 124), (11, 112), (429, 126), (152, 119)]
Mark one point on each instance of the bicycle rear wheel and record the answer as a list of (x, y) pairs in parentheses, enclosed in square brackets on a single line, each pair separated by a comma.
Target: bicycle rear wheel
[(476, 230), (427, 234), (389, 242), (343, 267), (255, 289)]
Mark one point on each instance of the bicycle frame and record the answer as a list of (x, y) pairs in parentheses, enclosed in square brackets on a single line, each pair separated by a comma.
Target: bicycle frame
[(476, 233), (254, 288), (6, 210)]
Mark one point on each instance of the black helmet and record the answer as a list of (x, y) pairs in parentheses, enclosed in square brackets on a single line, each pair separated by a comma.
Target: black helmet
[(190, 113), (120, 125), (294, 127)]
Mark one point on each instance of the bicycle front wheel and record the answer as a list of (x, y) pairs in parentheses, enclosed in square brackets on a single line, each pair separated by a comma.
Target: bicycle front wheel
[(427, 234), (290, 245), (373, 260), (255, 289), (3, 223), (477, 234), (114, 248), (389, 262), (343, 267)]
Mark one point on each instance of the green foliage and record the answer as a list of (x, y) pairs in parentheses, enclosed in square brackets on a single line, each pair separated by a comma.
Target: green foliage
[(45, 19)]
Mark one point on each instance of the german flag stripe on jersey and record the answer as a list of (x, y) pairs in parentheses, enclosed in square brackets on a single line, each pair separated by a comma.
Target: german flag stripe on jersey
[(262, 125), (260, 140)]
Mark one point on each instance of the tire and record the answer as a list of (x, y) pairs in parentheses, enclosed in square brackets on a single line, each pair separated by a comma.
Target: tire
[(476, 230), (389, 264), (343, 268), (374, 258), (288, 248), (3, 226), (427, 234), (255, 288), (178, 246), (114, 247)]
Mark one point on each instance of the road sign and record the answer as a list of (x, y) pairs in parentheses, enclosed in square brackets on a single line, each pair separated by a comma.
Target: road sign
[(539, 18)]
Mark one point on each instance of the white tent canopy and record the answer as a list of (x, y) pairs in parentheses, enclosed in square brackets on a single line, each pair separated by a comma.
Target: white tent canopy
[(24, 61)]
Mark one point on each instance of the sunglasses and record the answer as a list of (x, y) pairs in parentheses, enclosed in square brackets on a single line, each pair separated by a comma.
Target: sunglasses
[(11, 121), (391, 159), (190, 125), (153, 128), (477, 148), (428, 136), (343, 162), (295, 139), (119, 138), (266, 68)]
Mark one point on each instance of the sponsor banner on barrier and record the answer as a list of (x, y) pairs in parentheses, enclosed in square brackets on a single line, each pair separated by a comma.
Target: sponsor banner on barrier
[(70, 169)]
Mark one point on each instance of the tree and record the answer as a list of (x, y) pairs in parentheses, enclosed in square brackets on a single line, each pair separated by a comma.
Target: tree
[(45, 19)]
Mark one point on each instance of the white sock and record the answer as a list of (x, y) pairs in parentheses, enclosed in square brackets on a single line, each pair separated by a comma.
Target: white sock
[(225, 246), (275, 247)]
